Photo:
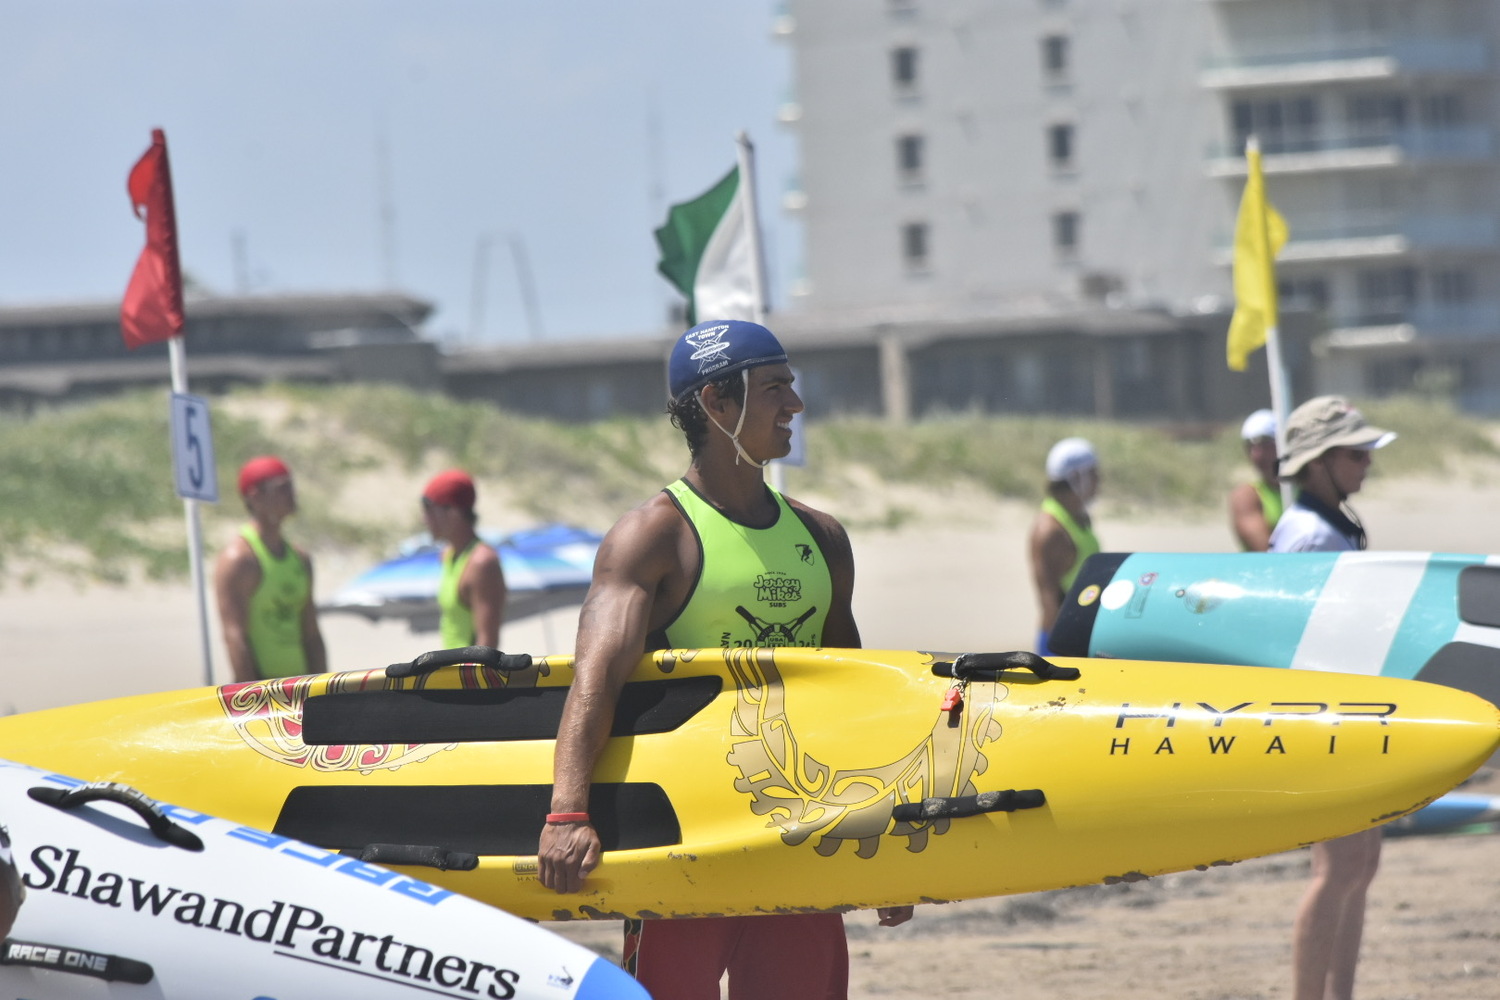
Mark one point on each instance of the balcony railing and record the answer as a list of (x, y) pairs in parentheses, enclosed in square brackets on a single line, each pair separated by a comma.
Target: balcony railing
[(1419, 231), (1465, 142), (1429, 321), (1323, 236), (1326, 60)]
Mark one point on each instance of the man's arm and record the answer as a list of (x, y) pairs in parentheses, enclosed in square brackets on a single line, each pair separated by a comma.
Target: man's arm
[(839, 628), (313, 650), (633, 560), (482, 590), (1052, 552), (1248, 517), (236, 575)]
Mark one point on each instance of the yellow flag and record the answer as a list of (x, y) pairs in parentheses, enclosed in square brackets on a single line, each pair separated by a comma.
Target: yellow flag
[(1259, 234)]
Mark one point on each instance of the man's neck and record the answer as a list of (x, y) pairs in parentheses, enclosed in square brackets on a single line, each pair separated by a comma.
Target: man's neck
[(270, 535), (460, 539), (1072, 504), (736, 491)]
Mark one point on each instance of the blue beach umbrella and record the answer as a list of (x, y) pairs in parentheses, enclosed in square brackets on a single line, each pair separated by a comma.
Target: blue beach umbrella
[(545, 567)]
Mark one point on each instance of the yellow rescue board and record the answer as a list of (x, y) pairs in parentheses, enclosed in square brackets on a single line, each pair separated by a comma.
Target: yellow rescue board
[(757, 780)]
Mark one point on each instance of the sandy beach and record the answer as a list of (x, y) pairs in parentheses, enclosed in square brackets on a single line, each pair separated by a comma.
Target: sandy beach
[(954, 580)]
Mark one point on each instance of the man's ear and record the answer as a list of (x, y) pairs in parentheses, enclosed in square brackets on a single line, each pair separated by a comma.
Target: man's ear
[(714, 401)]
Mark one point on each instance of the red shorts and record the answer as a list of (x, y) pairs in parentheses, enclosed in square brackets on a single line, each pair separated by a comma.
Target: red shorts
[(774, 957)]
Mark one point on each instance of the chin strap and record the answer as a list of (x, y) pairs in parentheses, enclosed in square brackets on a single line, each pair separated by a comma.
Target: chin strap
[(734, 438)]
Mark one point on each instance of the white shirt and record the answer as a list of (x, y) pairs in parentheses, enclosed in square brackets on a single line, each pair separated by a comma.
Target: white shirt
[(1304, 530)]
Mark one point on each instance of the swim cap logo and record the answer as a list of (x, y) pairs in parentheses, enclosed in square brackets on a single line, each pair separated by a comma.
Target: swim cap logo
[(710, 349)]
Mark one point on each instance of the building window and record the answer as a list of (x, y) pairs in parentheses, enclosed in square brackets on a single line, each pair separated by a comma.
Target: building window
[(1283, 125), (1303, 293), (1439, 110), (1060, 147), (1386, 294), (910, 158), (1377, 116), (914, 246), (1054, 57), (1065, 226), (1453, 287), (904, 68)]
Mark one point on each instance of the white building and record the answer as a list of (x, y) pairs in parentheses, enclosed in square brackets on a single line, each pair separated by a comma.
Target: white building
[(1013, 158)]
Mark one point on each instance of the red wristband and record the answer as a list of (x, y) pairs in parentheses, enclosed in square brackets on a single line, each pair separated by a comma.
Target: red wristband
[(567, 817)]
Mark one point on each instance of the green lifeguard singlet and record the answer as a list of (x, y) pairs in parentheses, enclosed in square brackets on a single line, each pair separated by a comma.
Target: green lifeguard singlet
[(456, 627), (1270, 502), (756, 586), (275, 616), (1084, 542)]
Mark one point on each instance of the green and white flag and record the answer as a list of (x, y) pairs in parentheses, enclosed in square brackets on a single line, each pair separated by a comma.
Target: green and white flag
[(709, 252)]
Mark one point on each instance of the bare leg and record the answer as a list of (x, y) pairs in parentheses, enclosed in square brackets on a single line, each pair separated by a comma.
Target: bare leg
[(1330, 920)]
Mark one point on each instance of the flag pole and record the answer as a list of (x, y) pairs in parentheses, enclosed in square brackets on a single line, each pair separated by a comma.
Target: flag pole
[(752, 225), (1275, 367), (757, 262), (194, 522)]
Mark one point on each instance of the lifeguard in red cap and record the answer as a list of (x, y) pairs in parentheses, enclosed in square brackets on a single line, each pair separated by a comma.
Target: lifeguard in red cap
[(471, 593), (264, 584)]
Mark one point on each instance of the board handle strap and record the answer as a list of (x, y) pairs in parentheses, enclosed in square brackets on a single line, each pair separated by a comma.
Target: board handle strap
[(987, 666), (157, 821), (424, 855), (958, 806), (484, 656)]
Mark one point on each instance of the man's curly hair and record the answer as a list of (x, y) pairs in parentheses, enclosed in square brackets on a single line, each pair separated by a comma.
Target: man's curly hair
[(688, 416)]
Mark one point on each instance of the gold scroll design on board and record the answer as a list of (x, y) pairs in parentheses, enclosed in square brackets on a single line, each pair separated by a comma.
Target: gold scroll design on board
[(805, 796), (267, 715)]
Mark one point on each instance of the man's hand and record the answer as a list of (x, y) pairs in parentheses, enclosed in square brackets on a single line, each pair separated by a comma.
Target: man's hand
[(890, 916), (566, 854)]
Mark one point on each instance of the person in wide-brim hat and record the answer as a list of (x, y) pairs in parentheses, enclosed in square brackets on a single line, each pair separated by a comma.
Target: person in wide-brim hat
[(1329, 448)]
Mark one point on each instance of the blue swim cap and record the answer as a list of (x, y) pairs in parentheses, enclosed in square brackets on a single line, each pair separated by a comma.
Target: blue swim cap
[(720, 347)]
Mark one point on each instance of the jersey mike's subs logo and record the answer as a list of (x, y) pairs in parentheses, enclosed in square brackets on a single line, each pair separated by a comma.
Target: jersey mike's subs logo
[(268, 716)]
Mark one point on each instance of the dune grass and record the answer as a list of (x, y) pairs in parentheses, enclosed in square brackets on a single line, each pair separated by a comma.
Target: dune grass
[(86, 489)]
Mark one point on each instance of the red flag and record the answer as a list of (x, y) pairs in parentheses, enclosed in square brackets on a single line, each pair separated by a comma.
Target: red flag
[(152, 309)]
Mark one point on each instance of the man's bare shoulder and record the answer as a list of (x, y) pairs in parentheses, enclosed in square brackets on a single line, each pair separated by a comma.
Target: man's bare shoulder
[(814, 518), (657, 521), (237, 555)]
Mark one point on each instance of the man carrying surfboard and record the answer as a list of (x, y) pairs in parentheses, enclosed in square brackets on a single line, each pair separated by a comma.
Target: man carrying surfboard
[(1062, 536), (717, 558), (264, 584), (471, 592), (1329, 448), (1255, 507)]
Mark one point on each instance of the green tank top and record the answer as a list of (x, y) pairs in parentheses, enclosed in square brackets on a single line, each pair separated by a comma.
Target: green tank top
[(1270, 502), (456, 627), (1083, 538), (756, 586), (275, 618)]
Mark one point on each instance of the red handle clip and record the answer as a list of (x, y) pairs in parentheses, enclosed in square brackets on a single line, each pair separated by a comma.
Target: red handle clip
[(954, 699)]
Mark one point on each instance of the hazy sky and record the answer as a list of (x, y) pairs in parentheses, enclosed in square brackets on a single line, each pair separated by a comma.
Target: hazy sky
[(528, 117)]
